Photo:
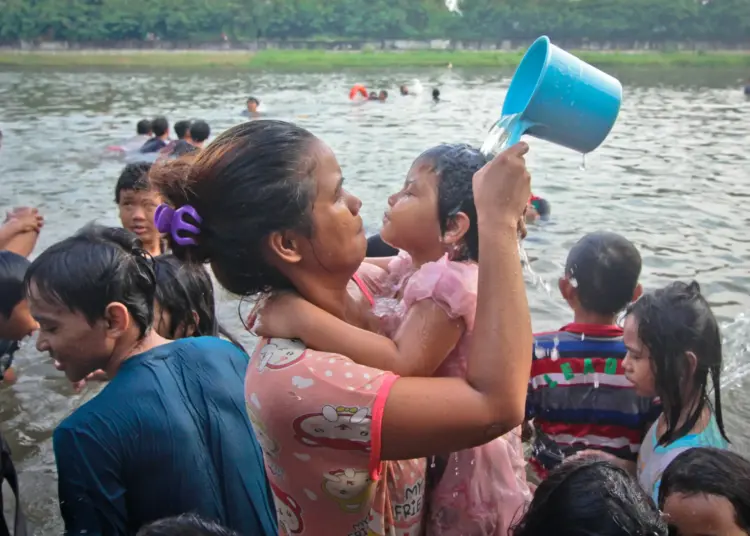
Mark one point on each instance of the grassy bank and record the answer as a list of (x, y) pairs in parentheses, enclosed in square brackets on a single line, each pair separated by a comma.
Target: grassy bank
[(318, 60)]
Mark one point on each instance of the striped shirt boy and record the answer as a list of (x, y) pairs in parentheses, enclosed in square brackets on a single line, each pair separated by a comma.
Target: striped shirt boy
[(580, 398)]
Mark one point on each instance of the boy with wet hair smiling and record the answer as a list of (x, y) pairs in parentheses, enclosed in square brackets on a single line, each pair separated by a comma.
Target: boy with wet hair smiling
[(579, 397), (169, 433)]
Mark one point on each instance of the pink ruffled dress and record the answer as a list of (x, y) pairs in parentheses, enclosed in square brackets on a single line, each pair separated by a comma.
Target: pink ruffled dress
[(483, 490)]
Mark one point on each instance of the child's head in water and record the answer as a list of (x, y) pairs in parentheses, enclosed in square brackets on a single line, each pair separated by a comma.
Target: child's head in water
[(601, 277), (583, 497), (434, 213), (185, 525), (16, 322), (184, 304), (674, 344), (706, 491)]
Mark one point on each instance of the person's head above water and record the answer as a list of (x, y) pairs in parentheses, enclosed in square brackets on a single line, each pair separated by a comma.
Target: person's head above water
[(434, 211), (160, 127), (143, 128), (252, 104), (182, 128), (16, 322), (93, 296), (583, 497), (601, 277), (185, 525), (282, 214), (137, 201), (707, 491), (404, 90), (199, 132), (372, 96), (436, 94), (383, 95), (674, 344)]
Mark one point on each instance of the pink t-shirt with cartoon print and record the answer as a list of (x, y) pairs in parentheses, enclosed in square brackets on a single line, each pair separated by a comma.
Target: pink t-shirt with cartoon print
[(318, 419)]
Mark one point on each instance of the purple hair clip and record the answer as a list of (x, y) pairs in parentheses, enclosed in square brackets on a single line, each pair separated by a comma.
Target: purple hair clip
[(169, 220)]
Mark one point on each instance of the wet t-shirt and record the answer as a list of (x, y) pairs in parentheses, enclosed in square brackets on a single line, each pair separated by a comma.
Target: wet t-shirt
[(318, 419), (168, 435)]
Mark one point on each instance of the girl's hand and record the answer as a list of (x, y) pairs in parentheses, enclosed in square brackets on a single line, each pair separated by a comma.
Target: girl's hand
[(278, 315), (503, 186)]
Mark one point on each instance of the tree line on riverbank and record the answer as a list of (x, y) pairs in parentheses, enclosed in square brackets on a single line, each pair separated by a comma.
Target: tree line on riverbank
[(722, 21)]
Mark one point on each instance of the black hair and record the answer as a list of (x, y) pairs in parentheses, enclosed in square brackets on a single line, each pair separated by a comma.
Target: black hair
[(12, 271), (181, 128), (182, 148), (143, 127), (455, 165), (133, 177), (542, 207), (200, 131), (185, 525), (673, 321), (183, 289), (253, 99), (604, 268), (251, 181), (436, 93), (710, 471), (588, 497), (160, 126), (93, 268), (383, 93)]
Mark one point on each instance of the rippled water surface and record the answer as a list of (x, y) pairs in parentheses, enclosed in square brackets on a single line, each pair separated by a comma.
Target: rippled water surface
[(673, 177)]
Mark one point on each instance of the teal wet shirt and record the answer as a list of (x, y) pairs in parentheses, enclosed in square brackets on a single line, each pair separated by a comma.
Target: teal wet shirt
[(168, 435)]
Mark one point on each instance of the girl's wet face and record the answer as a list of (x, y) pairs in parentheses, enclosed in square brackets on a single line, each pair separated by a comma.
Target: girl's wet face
[(637, 362), (338, 241), (701, 515), (411, 221)]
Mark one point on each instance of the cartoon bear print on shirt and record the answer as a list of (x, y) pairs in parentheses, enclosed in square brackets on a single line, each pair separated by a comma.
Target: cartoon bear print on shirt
[(279, 354), (267, 445), (340, 428), (350, 488), (288, 512)]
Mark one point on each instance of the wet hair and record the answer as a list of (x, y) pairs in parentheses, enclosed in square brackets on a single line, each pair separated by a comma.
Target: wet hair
[(12, 271), (183, 289), (673, 321), (93, 268), (710, 471), (455, 165), (383, 94), (200, 131), (436, 93), (185, 525), (160, 126), (253, 180), (373, 95), (605, 268), (143, 127), (181, 128), (253, 99), (588, 497), (133, 177), (542, 208), (182, 148)]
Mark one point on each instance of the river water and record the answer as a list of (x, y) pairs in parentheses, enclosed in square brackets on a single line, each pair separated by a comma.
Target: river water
[(672, 177)]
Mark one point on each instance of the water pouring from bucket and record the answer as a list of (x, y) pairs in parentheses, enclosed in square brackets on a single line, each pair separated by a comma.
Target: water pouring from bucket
[(556, 97)]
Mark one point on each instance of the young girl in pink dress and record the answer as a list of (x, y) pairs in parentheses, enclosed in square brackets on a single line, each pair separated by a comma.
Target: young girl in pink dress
[(425, 299)]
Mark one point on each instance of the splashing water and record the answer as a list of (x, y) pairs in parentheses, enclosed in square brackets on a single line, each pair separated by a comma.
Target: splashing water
[(498, 136), (736, 349), (535, 279)]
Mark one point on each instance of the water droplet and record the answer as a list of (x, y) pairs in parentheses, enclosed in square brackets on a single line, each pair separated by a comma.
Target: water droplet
[(582, 167), (539, 352), (555, 355), (583, 336), (596, 380), (573, 282)]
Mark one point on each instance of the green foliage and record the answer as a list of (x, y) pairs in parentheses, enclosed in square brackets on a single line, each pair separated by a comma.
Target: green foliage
[(726, 21)]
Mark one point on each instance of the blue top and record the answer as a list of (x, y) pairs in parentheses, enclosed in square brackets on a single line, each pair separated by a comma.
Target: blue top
[(168, 435)]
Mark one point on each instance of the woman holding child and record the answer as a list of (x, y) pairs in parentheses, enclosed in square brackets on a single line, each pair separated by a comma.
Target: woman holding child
[(345, 444)]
